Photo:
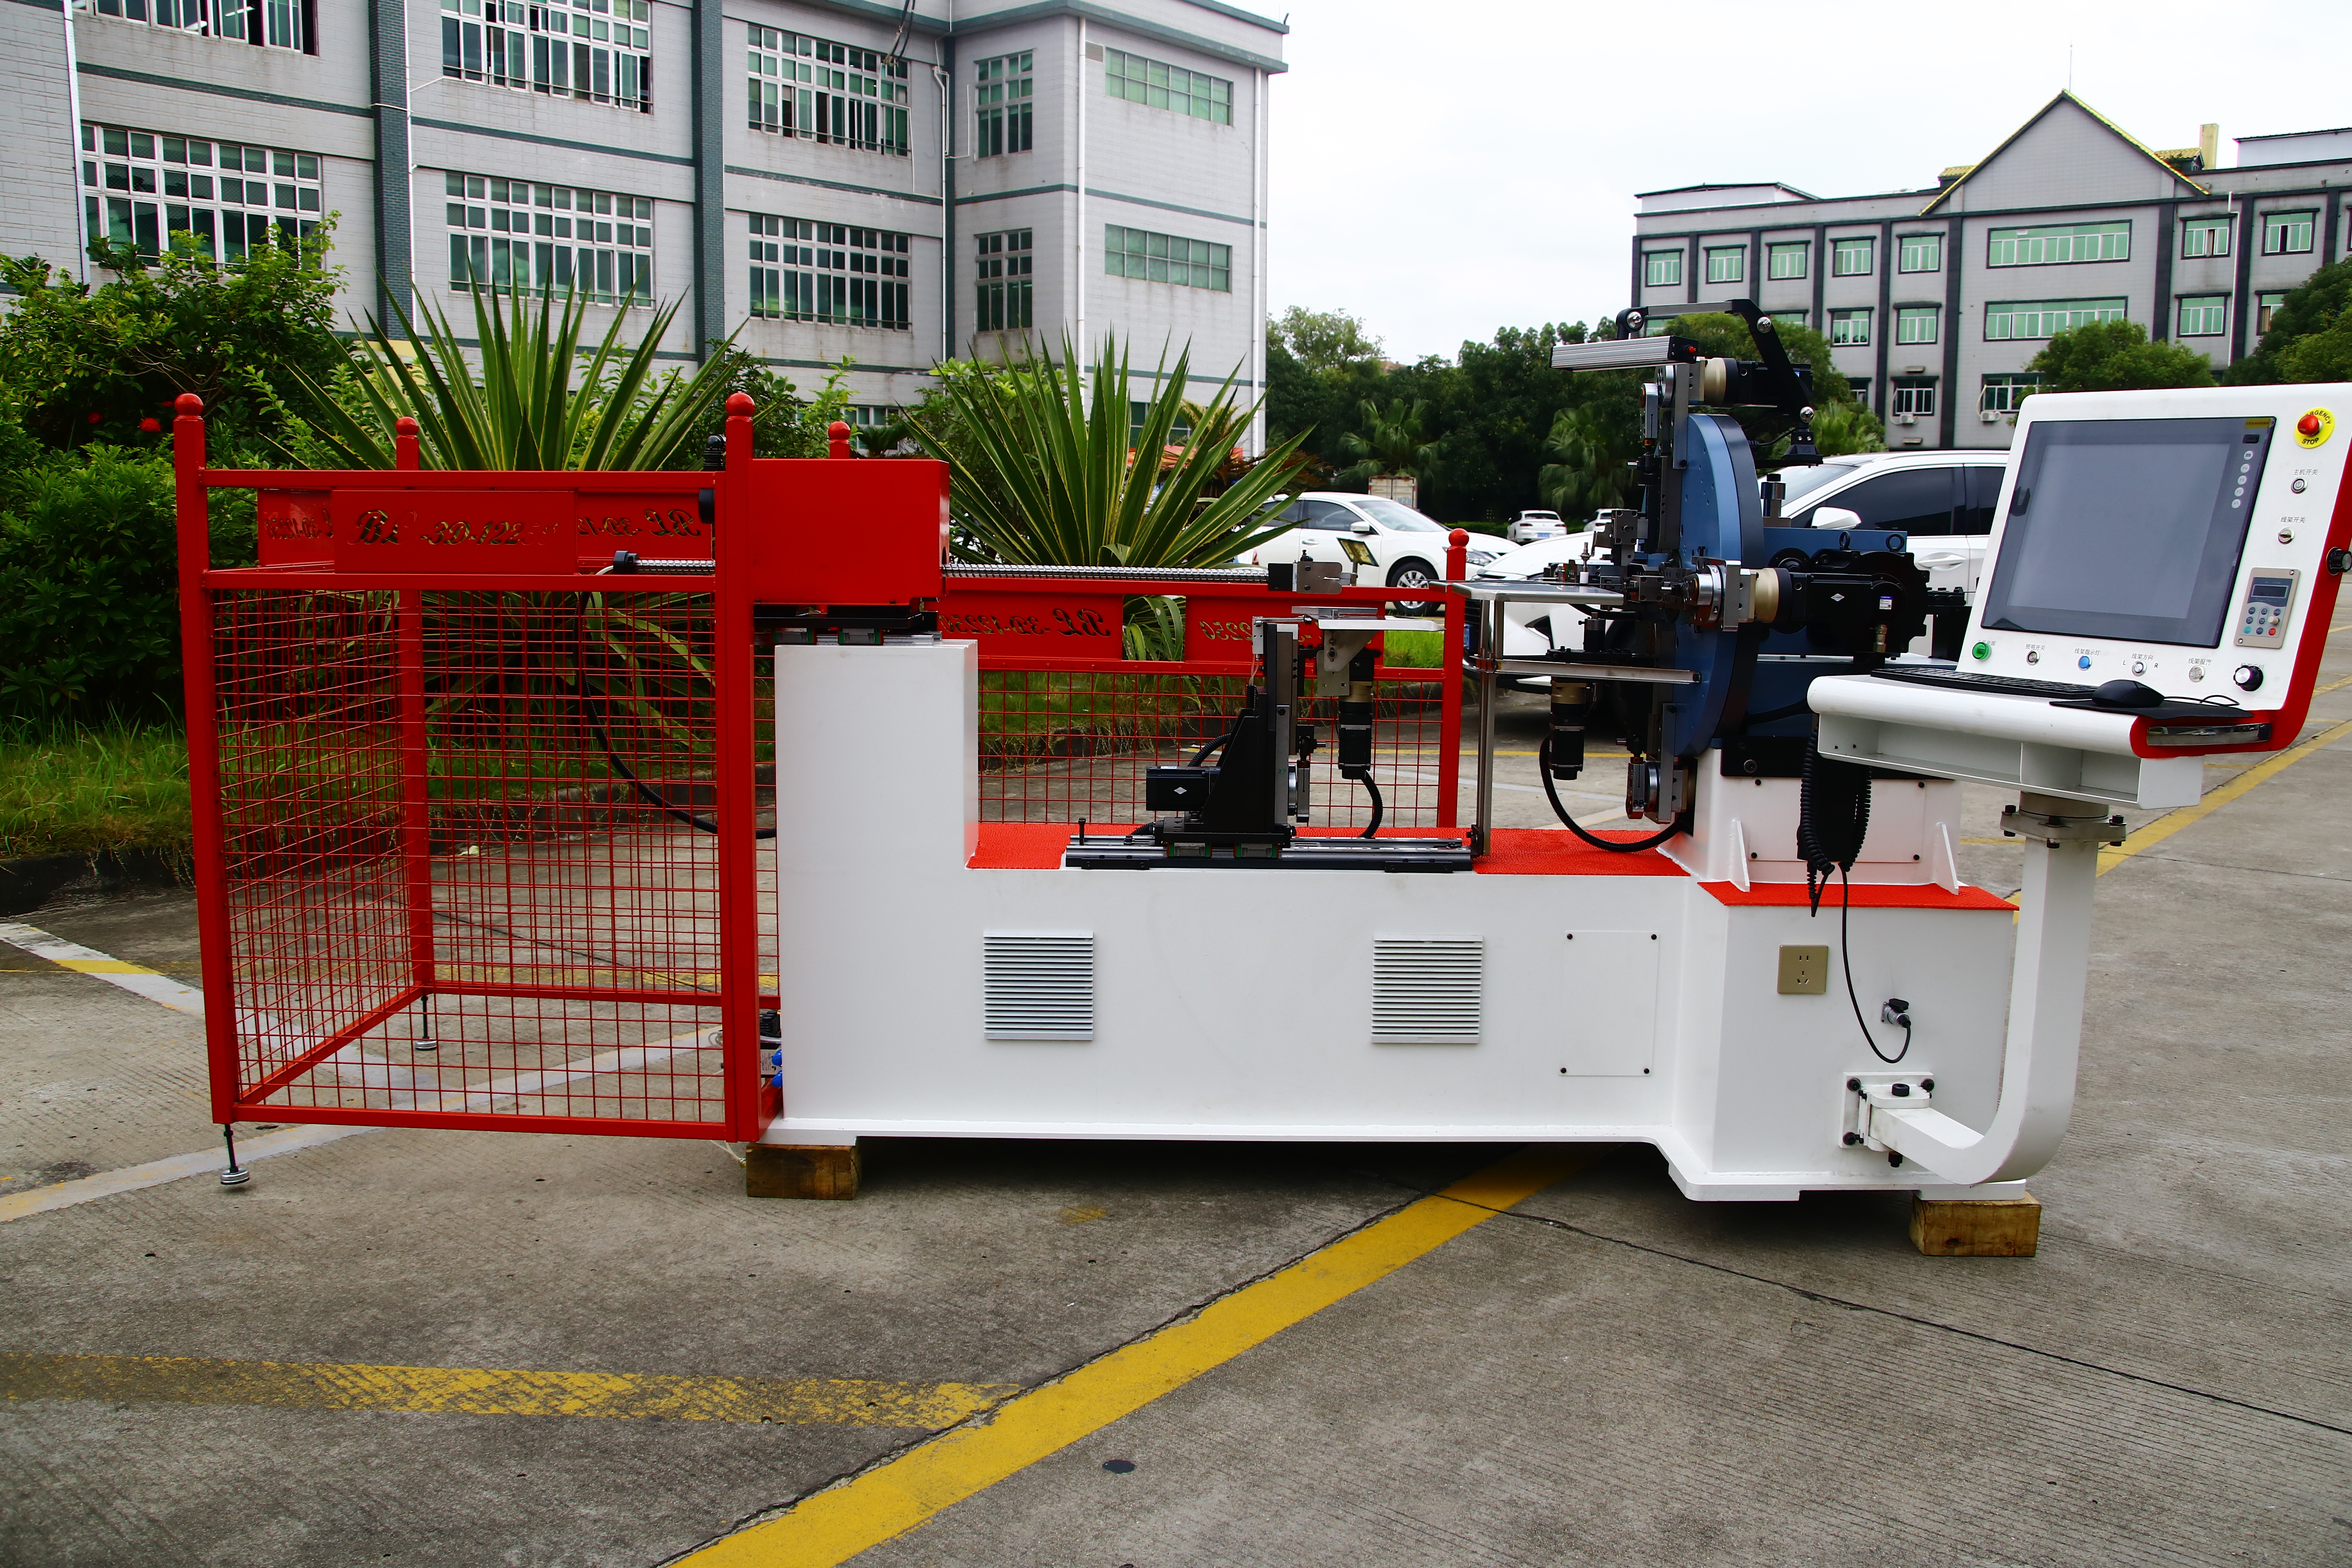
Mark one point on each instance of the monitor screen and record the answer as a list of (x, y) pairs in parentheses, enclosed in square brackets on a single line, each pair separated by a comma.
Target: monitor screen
[(2128, 528)]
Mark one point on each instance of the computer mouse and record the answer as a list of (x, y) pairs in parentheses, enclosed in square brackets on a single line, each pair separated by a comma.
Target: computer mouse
[(2127, 694)]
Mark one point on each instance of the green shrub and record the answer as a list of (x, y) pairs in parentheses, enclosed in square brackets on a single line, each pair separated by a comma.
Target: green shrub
[(89, 621)]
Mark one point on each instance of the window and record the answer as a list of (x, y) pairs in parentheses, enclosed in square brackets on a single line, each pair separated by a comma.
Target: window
[(277, 24), (1786, 260), (141, 188), (2286, 233), (1921, 253), (1166, 258), (1916, 324), (1915, 501), (1002, 97), (865, 415), (594, 49), (1139, 80), (549, 239), (823, 92), (1853, 258), (2204, 315), (1850, 327), (1860, 386), (1727, 263), (2058, 244), (2004, 390), (1001, 301), (804, 271), (1661, 269), (2205, 237), (1915, 398), (2046, 318), (2264, 304)]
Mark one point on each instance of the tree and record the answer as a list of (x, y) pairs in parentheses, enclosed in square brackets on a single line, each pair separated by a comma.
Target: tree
[(2116, 356), (1391, 439), (1321, 340), (2313, 309), (1591, 447), (91, 364), (1840, 428)]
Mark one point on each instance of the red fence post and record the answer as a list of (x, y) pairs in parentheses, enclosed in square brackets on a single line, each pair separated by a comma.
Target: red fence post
[(749, 1105), (1449, 700), (416, 792), (403, 443), (211, 870), (837, 437)]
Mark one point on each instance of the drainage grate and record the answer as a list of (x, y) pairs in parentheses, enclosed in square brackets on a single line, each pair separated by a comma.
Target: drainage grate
[(1426, 991), (1040, 985)]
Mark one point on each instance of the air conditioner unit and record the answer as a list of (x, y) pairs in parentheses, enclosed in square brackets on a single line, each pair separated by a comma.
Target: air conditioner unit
[(1988, 416), (1906, 419)]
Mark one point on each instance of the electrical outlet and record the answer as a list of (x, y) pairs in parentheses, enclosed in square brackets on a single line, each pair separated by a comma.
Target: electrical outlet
[(1805, 970)]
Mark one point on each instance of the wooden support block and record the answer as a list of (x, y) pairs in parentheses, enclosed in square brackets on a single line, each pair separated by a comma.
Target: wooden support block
[(1977, 1227), (799, 1171)]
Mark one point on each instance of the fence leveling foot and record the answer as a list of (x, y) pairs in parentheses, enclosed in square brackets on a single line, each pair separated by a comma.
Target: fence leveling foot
[(235, 1176)]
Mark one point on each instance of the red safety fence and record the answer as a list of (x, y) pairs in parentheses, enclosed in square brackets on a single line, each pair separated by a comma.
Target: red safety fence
[(475, 824)]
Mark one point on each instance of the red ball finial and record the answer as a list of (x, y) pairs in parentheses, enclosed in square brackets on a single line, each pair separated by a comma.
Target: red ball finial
[(403, 426), (1458, 538), (188, 404), (837, 431), (740, 406)]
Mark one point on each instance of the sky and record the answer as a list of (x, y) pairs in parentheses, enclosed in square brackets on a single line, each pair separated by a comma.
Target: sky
[(1441, 171)]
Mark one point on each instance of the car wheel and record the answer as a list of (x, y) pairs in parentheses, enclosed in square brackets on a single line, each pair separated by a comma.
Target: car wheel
[(1413, 572)]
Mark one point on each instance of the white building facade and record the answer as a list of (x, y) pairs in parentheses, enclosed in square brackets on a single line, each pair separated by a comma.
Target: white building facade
[(1935, 302), (891, 185)]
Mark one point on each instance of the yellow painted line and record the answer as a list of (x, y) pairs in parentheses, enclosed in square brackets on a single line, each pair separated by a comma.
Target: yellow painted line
[(2172, 822), (470, 1391), (835, 1525), (135, 978)]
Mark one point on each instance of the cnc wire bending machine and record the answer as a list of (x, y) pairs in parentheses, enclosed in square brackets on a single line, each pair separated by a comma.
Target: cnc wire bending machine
[(1782, 982)]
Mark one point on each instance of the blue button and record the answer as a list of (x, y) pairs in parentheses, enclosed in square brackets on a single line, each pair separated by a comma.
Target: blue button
[(2084, 662)]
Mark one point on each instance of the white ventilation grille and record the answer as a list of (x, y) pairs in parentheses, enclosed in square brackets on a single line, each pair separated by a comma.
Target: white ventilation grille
[(1426, 991), (1040, 985)]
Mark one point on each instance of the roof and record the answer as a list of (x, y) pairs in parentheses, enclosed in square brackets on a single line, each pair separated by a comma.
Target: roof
[(1729, 185), (2063, 97), (2290, 135)]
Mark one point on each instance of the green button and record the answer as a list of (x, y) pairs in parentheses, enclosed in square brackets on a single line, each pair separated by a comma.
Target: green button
[(1982, 650)]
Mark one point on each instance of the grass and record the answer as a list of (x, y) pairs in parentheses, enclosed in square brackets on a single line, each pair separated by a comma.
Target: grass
[(1414, 650), (76, 790)]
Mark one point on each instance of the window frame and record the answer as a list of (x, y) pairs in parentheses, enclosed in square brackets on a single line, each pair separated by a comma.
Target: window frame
[(2224, 228), (605, 56), (2040, 239), (140, 210), (1908, 316), (2113, 309), (1004, 102), (1932, 243), (2213, 315), (479, 252), (841, 275), (289, 24), (2284, 222), (2014, 387), (1653, 271), (1159, 84), (1735, 255), (2265, 304), (1776, 250), (1846, 317), (863, 106), (1120, 259), (1004, 287), (1842, 246), (1919, 391)]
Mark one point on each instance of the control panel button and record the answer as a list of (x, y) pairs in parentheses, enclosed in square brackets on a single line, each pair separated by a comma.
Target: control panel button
[(2248, 677)]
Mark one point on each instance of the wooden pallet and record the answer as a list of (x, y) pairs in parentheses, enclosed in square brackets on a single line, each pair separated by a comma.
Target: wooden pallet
[(1977, 1227)]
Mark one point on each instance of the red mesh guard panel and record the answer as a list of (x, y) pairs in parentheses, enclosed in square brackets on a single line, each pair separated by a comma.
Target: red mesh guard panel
[(429, 841)]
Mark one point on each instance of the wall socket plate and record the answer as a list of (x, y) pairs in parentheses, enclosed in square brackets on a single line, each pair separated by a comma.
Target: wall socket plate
[(1805, 970)]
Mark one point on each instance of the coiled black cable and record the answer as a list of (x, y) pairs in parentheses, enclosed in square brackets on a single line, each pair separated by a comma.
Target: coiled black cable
[(1832, 818), (1364, 777), (1614, 846)]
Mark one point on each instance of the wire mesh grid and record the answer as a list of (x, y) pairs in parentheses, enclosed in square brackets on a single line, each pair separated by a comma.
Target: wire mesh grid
[(466, 851), (1059, 745)]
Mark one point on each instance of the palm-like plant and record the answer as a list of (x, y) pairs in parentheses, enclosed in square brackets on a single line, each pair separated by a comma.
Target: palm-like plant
[(1392, 439), (1045, 473), (1590, 446), (532, 404)]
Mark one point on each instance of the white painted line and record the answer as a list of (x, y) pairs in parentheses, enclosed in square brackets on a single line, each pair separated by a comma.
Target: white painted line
[(155, 1173), (134, 978)]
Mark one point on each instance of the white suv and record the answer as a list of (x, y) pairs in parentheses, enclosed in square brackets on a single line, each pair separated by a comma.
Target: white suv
[(1392, 544), (1531, 526), (1944, 500)]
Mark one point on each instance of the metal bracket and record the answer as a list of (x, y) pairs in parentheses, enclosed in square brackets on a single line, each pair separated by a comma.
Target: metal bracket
[(1867, 1093), (2056, 822)]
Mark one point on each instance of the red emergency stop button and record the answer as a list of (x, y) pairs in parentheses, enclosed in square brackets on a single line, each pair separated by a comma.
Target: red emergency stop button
[(2308, 424)]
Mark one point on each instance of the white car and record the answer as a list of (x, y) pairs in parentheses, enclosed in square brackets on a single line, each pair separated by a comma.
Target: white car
[(1944, 500), (1531, 526), (1392, 544)]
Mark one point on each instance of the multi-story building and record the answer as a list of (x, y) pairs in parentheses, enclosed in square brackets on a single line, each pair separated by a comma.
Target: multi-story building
[(1935, 302), (886, 183)]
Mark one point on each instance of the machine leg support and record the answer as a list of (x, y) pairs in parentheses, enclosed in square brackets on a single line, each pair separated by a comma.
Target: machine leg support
[(802, 1171), (1977, 1227)]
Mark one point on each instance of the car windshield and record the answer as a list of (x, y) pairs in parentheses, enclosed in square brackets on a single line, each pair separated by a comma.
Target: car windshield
[(1394, 514), (1804, 481)]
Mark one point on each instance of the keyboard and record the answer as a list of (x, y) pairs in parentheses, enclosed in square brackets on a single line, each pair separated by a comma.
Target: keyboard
[(1970, 680)]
